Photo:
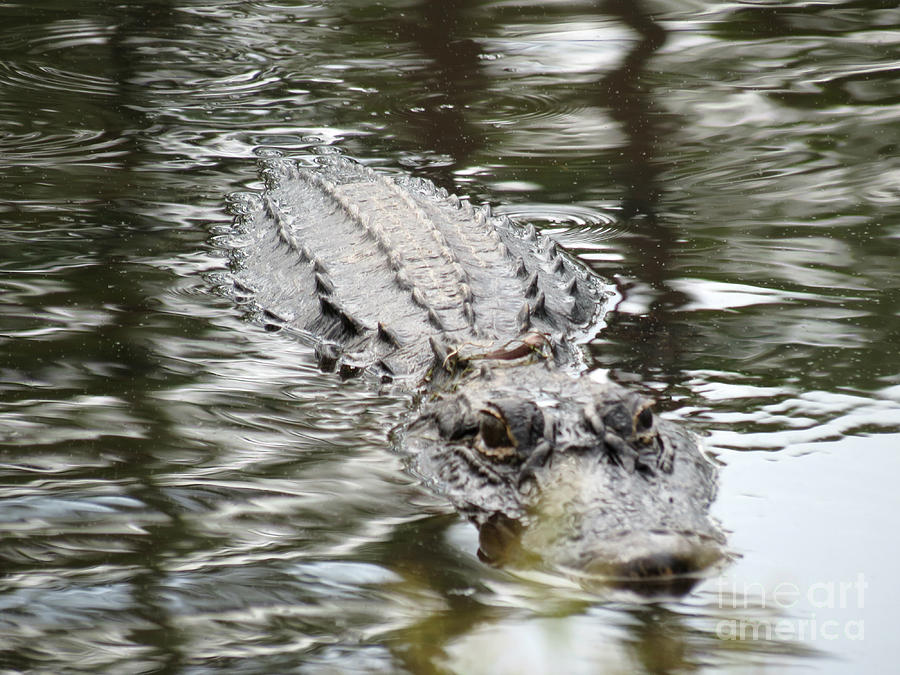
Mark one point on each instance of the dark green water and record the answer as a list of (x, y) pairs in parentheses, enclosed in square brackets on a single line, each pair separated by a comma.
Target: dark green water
[(182, 492)]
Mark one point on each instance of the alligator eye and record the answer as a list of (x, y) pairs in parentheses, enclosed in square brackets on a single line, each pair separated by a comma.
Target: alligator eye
[(643, 421), (494, 430)]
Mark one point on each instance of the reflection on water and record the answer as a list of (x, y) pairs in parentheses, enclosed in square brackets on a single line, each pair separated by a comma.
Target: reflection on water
[(181, 491)]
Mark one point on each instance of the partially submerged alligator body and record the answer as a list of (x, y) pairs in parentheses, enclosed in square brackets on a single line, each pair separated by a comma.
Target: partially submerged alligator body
[(396, 280)]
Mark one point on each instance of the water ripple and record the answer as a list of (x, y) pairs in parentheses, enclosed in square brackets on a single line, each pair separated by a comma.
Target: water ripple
[(795, 421), (199, 89), (572, 224), (38, 52), (42, 39), (183, 491), (75, 147), (46, 77)]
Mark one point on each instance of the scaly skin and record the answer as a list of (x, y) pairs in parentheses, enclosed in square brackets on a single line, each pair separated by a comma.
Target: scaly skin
[(393, 279), (576, 473)]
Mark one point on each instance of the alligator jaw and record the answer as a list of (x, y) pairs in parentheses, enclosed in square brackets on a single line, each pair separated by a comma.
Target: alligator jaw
[(576, 529), (594, 543), (647, 563)]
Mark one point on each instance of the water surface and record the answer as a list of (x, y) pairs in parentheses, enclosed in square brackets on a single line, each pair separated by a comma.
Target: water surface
[(182, 491)]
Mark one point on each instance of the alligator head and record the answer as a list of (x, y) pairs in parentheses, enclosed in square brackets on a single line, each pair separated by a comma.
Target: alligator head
[(569, 473)]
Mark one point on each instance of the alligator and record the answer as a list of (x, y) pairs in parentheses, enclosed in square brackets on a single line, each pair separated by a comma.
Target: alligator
[(483, 321)]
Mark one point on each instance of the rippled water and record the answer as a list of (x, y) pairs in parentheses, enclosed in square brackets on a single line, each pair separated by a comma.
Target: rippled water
[(181, 491)]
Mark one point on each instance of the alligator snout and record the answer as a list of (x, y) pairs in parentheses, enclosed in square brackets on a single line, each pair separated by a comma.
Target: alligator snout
[(654, 556), (644, 562), (608, 521)]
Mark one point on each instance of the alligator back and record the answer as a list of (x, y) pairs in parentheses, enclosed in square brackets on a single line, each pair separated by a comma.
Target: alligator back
[(373, 267)]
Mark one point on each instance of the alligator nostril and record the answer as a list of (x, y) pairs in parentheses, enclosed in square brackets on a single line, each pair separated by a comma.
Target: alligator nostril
[(656, 561), (657, 566)]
